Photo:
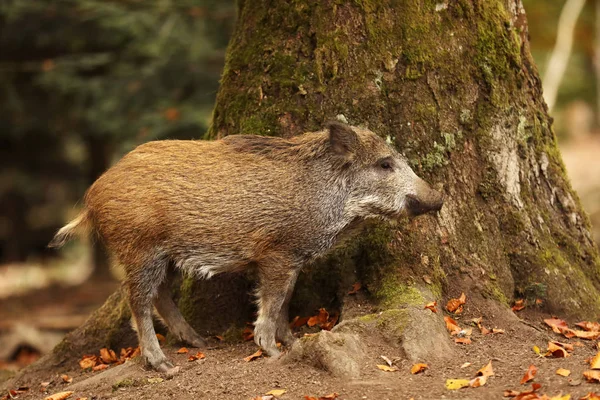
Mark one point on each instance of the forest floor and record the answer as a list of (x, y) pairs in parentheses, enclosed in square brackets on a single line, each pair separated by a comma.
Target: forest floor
[(224, 374)]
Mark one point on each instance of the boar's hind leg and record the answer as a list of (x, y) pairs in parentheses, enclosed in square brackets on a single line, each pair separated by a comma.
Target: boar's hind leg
[(276, 279), (284, 333), (169, 312), (142, 284)]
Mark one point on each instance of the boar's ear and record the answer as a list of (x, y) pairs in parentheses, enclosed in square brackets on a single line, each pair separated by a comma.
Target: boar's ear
[(342, 138)]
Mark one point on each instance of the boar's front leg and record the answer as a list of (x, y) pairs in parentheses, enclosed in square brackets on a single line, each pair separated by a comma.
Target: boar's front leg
[(277, 277), (284, 333)]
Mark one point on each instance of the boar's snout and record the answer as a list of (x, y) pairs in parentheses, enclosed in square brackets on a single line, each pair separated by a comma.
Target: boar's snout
[(425, 200)]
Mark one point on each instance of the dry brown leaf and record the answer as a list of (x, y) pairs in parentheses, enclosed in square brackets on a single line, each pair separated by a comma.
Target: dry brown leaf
[(418, 368), (451, 325), (497, 330), (591, 396), (298, 321), (431, 306), (60, 396), (326, 397), (161, 338), (528, 395), (88, 361), (478, 381), (66, 378), (592, 375), (595, 361), (100, 367), (563, 372), (276, 392), (248, 333), (355, 288), (463, 340), (519, 305), (456, 305), (589, 326), (108, 356), (198, 356), (585, 334), (529, 375), (182, 350), (555, 350), (487, 370), (558, 326), (219, 338), (387, 368), (330, 323), (254, 356)]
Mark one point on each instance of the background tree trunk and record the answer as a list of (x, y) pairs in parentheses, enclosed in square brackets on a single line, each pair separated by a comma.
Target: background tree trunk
[(454, 87)]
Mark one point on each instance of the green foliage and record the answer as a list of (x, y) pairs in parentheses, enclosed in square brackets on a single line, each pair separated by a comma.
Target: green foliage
[(83, 81)]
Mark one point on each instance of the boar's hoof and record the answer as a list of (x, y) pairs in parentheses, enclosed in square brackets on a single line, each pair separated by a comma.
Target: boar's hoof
[(286, 337)]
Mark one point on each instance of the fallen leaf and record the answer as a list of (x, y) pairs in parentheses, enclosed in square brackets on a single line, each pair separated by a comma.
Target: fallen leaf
[(298, 321), (417, 368), (330, 323), (478, 382), (563, 372), (456, 305), (528, 395), (248, 333), (531, 371), (108, 356), (591, 396), (561, 397), (387, 360), (182, 350), (497, 330), (589, 326), (88, 361), (431, 306), (276, 392), (455, 384), (592, 375), (451, 325), (198, 356), (558, 326), (519, 305), (66, 378), (155, 380), (330, 396), (387, 368), (161, 338), (487, 370), (427, 279), (254, 356), (555, 350), (59, 396), (585, 334), (465, 365), (537, 351), (100, 367), (355, 288), (219, 338), (463, 340), (595, 361)]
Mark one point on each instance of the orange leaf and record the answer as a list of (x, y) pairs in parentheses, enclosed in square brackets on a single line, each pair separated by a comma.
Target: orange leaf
[(312, 321), (248, 333), (330, 396), (592, 375), (254, 356), (431, 306), (198, 356), (59, 396), (591, 396), (417, 368), (331, 322), (586, 335), (161, 338), (88, 362), (519, 305), (487, 370), (456, 305), (497, 330), (531, 371), (323, 316), (555, 350), (563, 372), (219, 338), (107, 356), (463, 340), (182, 350), (557, 325), (355, 288), (298, 321), (451, 325), (479, 381), (387, 368), (595, 361), (100, 367), (589, 326), (66, 378)]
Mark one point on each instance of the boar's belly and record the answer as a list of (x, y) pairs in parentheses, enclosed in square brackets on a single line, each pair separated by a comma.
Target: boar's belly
[(203, 264)]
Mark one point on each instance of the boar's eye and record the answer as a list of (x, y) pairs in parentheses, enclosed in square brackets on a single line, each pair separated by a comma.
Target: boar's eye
[(386, 164)]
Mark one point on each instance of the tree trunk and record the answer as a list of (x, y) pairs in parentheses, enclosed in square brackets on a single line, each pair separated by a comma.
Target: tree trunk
[(454, 87)]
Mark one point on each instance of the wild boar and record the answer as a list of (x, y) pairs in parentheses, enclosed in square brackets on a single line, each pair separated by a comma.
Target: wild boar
[(207, 207)]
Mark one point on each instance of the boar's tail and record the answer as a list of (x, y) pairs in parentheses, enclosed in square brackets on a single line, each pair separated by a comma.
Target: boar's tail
[(78, 225)]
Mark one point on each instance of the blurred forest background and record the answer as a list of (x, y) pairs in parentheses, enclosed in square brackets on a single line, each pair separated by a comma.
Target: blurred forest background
[(84, 81)]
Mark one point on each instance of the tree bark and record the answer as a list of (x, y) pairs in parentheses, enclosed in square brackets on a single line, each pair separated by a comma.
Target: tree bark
[(454, 87)]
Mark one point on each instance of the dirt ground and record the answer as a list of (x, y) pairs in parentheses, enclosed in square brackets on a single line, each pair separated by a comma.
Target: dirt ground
[(223, 373)]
